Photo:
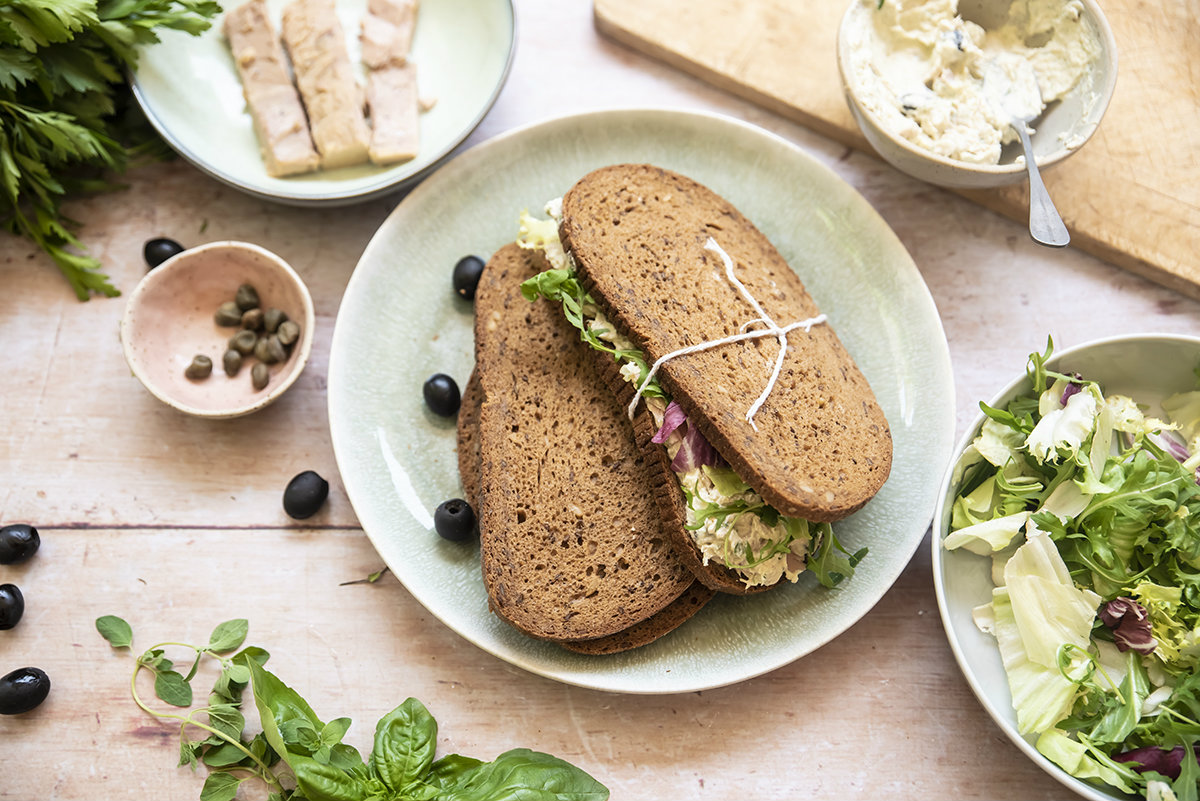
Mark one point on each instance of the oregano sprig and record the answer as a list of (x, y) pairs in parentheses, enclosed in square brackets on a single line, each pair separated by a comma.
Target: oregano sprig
[(401, 766)]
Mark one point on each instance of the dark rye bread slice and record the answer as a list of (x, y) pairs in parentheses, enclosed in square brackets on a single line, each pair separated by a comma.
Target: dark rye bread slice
[(570, 535), (637, 233), (647, 631), (468, 439)]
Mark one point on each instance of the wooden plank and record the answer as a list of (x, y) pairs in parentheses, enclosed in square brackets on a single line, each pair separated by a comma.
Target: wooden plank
[(866, 716), (1131, 196)]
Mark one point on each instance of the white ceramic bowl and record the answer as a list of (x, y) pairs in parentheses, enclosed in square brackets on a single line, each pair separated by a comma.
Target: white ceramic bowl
[(169, 319), (1146, 367), (1062, 129)]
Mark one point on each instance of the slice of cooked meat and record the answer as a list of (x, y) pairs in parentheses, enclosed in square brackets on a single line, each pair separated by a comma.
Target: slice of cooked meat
[(279, 121), (317, 46)]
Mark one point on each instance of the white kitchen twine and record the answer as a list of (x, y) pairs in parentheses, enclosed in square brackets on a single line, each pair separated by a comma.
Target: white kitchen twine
[(771, 330)]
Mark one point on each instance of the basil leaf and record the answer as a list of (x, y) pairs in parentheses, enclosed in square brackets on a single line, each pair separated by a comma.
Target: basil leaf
[(319, 782), (405, 742), (219, 787), (115, 630), (277, 703), (334, 731), (227, 719), (345, 757), (228, 635), (223, 756), (524, 775), (172, 688), (188, 753), (446, 771)]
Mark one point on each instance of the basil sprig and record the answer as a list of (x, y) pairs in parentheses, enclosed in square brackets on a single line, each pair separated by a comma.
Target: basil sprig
[(400, 767)]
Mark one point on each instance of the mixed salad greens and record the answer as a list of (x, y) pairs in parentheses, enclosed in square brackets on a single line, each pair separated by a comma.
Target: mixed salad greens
[(728, 520), (1090, 512)]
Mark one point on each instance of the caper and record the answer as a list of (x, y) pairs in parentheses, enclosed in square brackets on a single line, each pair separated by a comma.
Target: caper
[(246, 297), (252, 319), (269, 350), (243, 342), (288, 332), (200, 368), (259, 376), (232, 361), (272, 317), (228, 315)]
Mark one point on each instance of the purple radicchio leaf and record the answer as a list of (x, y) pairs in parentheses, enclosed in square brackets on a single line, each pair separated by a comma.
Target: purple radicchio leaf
[(1172, 446), (1072, 389), (1153, 758), (673, 418), (1130, 624), (695, 452)]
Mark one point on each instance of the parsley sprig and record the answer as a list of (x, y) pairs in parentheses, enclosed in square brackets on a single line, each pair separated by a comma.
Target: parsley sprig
[(63, 126)]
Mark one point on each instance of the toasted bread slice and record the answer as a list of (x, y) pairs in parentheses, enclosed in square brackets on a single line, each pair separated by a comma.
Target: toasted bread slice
[(570, 535), (822, 447), (647, 631)]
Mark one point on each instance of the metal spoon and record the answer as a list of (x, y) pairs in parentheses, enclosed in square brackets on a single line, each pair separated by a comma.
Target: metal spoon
[(1045, 225)]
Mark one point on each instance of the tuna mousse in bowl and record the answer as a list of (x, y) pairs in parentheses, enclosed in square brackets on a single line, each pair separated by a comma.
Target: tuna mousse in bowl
[(936, 85)]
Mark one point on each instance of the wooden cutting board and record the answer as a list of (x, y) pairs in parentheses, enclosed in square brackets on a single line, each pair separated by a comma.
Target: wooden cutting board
[(1131, 196)]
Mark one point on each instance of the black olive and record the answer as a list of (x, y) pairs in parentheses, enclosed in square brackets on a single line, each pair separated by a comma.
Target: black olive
[(304, 495), (18, 542), (12, 606), (454, 520), (442, 395), (156, 251), (22, 690), (466, 276)]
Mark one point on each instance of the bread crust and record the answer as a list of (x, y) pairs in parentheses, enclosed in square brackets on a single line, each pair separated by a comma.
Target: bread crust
[(638, 232), (571, 540)]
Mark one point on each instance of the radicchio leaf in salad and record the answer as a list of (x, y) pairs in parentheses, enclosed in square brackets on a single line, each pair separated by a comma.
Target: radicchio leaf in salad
[(1088, 509)]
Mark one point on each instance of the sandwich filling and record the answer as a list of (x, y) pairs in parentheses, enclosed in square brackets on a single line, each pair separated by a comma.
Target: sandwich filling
[(728, 521)]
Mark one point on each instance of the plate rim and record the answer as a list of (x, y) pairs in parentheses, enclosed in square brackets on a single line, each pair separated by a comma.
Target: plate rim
[(1002, 717), (479, 153), (330, 199)]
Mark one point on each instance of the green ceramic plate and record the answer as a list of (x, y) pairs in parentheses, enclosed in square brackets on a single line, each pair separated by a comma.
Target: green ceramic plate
[(189, 89), (400, 322)]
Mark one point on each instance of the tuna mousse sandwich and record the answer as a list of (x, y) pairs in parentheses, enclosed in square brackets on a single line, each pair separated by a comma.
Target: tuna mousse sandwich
[(758, 427)]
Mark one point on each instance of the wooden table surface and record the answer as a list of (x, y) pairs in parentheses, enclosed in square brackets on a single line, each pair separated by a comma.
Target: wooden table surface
[(175, 523)]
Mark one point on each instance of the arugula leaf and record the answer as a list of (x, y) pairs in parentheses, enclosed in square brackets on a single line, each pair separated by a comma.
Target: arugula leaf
[(562, 286)]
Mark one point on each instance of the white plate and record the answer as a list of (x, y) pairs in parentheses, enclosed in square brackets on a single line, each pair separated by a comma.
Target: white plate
[(400, 322), (1147, 368), (189, 89)]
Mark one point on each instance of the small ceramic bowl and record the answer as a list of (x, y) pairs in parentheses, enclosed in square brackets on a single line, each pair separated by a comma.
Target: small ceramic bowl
[(169, 319), (1145, 367), (1063, 128)]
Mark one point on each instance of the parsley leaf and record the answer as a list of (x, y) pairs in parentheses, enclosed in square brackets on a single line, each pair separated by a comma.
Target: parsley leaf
[(62, 130)]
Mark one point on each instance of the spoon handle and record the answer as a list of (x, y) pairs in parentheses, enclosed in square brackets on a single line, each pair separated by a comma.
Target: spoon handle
[(1045, 225)]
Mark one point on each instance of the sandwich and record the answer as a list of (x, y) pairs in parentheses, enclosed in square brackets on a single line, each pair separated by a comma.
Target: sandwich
[(571, 539), (762, 429)]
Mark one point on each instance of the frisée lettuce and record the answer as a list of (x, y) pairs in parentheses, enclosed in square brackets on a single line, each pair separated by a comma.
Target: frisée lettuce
[(1090, 512)]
